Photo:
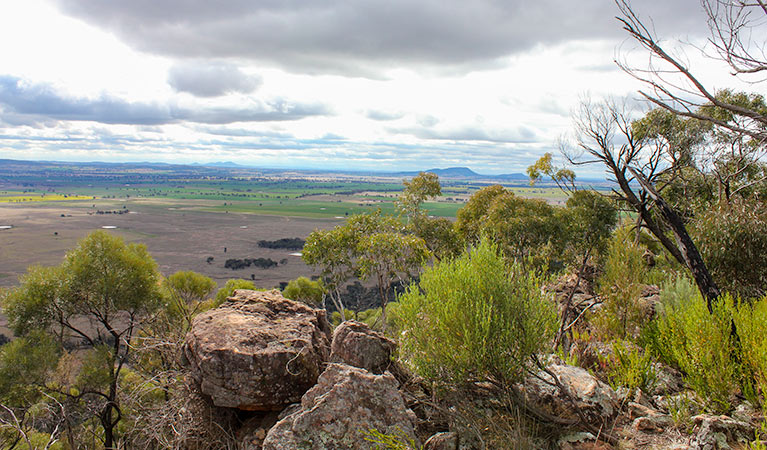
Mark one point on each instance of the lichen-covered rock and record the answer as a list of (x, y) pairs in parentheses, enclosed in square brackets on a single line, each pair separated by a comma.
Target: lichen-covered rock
[(345, 404), (355, 344), (596, 400), (720, 432), (647, 419), (258, 351), (442, 441), (581, 441)]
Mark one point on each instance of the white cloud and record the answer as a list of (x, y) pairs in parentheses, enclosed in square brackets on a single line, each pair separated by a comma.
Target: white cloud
[(405, 84)]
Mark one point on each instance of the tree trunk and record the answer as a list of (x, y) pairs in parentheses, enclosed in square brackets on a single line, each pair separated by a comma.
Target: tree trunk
[(691, 257), (384, 299)]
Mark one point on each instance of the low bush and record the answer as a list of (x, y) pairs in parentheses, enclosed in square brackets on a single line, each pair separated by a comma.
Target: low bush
[(630, 367), (699, 342), (475, 318), (625, 272), (750, 320)]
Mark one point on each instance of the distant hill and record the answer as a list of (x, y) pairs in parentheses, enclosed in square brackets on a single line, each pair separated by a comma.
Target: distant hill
[(455, 172), (467, 174)]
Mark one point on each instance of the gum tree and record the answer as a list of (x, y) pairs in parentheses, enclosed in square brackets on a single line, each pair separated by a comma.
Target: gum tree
[(97, 300)]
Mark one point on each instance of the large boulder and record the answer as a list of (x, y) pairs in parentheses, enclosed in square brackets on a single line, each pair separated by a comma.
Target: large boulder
[(355, 344), (345, 404), (258, 351), (595, 400)]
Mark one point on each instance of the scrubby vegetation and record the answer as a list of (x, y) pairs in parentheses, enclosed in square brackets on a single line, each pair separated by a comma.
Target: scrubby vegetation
[(284, 243), (658, 289), (476, 317), (239, 264)]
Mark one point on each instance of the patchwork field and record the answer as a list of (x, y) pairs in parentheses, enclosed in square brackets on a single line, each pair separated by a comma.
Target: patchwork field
[(179, 237)]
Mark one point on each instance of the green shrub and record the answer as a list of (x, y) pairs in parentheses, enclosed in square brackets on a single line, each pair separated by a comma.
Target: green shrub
[(625, 271), (372, 317), (475, 317), (390, 441), (305, 290), (682, 407), (229, 288), (687, 335), (630, 367), (750, 320), (732, 238), (335, 317)]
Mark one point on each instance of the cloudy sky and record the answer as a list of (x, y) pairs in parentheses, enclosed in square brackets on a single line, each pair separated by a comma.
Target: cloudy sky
[(366, 84)]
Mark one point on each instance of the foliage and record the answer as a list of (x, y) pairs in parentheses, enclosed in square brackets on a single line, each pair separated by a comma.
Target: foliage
[(387, 257), (438, 234), (229, 288), (682, 407), (750, 319), (470, 222), (284, 243), (336, 319), (104, 283), (733, 241), (305, 290), (25, 364), (590, 218), (563, 177), (372, 317), (625, 272), (239, 264), (367, 246), (419, 189), (630, 367), (523, 228), (390, 441), (475, 318), (699, 342), (187, 293)]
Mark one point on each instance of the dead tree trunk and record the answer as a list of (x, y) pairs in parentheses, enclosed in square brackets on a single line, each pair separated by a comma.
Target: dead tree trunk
[(685, 247)]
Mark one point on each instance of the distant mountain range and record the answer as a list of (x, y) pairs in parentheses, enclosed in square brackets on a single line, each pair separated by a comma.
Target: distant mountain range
[(450, 173), (467, 174)]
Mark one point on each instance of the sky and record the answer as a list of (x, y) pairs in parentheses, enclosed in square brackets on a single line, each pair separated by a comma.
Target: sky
[(314, 84)]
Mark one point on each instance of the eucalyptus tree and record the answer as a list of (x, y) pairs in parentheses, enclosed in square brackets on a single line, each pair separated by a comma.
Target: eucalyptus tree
[(94, 303)]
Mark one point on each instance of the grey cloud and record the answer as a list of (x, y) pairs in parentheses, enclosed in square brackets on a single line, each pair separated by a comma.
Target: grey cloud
[(211, 79), (351, 37), (39, 103), (427, 120), (471, 133), (383, 115)]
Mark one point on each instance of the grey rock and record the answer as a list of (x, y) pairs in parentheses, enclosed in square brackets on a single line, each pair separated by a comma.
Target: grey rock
[(355, 344), (596, 400), (346, 403), (719, 432), (258, 351)]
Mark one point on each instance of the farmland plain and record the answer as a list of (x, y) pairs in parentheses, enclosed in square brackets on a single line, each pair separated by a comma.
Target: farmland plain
[(187, 214)]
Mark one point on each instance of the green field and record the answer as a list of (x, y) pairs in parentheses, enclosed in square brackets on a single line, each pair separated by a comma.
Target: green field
[(312, 199)]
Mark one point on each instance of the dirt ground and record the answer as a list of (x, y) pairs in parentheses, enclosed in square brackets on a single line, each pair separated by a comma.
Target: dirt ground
[(177, 238)]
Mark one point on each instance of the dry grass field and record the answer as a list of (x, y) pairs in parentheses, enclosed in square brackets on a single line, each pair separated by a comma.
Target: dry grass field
[(177, 238)]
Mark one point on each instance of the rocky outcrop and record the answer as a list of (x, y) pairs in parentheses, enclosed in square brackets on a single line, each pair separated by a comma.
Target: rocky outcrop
[(258, 351), (355, 344), (596, 401), (720, 432), (648, 301), (346, 403)]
